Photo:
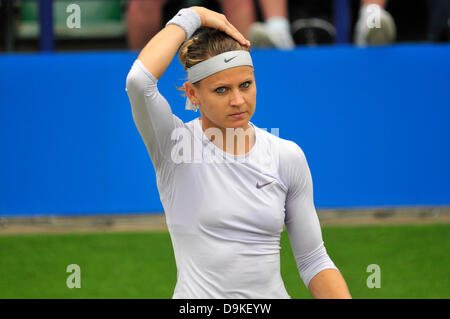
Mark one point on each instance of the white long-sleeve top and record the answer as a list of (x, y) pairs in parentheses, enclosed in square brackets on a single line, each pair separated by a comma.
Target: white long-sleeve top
[(225, 213)]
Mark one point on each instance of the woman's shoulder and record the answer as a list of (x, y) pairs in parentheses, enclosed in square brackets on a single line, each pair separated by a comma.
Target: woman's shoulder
[(288, 150)]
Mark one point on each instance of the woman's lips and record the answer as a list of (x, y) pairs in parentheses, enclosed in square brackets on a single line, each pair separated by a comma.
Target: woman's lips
[(238, 115)]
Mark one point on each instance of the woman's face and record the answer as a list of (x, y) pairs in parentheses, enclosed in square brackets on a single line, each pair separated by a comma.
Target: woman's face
[(226, 99)]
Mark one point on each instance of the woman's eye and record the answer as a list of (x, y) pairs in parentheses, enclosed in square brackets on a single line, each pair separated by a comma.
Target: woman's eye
[(245, 85), (220, 90)]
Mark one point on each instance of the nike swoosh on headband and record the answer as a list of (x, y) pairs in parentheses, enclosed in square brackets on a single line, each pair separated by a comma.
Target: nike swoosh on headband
[(228, 60)]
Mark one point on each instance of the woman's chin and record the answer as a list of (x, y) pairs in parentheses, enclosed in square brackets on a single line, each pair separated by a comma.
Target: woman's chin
[(238, 123)]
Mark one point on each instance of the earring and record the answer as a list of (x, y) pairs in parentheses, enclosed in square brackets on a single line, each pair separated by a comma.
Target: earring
[(190, 105)]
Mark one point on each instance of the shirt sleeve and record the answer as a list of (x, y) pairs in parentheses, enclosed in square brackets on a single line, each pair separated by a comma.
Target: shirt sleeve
[(301, 220), (152, 114)]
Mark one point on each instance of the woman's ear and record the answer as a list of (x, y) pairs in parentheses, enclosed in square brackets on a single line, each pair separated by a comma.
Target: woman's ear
[(191, 92)]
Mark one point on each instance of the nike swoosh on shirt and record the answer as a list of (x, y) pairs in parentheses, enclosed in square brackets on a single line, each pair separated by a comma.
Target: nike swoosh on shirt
[(228, 60), (262, 185)]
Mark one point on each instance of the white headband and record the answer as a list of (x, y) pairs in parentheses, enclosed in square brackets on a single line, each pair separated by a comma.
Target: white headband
[(216, 64)]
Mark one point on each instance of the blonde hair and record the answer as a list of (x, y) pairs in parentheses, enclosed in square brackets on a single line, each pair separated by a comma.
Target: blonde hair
[(204, 44)]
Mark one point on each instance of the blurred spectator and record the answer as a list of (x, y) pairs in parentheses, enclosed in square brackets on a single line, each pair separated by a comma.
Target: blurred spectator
[(286, 23), (312, 22), (144, 20), (375, 25), (275, 31), (439, 25)]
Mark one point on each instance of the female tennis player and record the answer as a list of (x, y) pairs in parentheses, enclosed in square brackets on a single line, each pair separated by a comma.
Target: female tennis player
[(225, 217)]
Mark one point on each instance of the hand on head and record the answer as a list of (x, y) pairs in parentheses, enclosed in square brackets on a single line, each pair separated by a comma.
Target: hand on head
[(218, 21)]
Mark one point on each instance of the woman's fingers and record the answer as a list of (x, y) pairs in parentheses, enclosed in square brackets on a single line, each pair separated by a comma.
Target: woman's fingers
[(234, 33), (219, 21), (238, 36)]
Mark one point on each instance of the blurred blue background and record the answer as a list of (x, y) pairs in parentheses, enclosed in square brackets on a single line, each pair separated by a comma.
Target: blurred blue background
[(373, 123)]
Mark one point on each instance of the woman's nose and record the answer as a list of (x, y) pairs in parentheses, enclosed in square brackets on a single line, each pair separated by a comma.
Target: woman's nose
[(237, 98)]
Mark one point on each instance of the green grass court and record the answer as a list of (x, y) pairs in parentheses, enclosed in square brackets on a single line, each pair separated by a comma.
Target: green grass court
[(414, 262)]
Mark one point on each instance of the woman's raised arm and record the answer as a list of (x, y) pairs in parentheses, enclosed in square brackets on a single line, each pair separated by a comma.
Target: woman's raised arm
[(152, 113), (160, 50)]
